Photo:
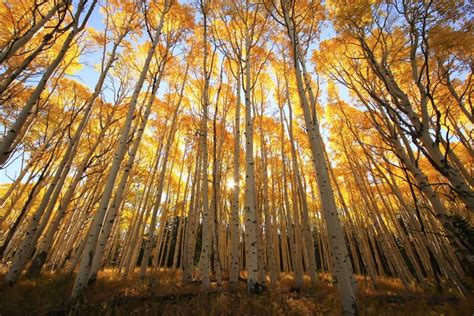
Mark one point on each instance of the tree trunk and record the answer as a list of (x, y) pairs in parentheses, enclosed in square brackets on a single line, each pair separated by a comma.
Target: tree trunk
[(89, 250)]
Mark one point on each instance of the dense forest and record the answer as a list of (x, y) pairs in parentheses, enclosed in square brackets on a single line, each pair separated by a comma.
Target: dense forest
[(296, 156)]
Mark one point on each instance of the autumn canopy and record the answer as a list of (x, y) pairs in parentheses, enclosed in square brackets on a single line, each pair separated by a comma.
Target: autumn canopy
[(223, 143)]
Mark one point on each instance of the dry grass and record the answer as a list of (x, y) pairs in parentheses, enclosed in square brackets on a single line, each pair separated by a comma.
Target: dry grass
[(161, 293)]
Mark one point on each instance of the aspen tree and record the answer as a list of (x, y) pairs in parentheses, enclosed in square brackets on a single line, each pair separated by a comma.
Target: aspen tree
[(26, 43), (88, 253), (149, 243), (73, 146), (20, 41), (40, 217), (191, 225), (339, 253), (235, 219), (47, 242), (206, 249), (308, 237), (14, 130), (269, 237), (114, 208)]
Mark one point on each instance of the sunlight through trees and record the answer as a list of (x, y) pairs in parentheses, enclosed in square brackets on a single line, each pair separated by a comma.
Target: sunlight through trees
[(238, 141)]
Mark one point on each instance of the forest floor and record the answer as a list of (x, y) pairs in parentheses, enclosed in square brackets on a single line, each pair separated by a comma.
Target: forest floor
[(161, 293)]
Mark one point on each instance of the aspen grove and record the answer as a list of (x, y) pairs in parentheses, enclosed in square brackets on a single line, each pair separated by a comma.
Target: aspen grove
[(238, 143)]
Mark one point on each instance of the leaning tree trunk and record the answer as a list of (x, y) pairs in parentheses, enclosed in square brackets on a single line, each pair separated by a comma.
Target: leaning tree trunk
[(88, 253), (114, 209), (206, 248), (339, 253), (151, 230), (13, 131), (308, 235), (39, 219), (46, 244), (11, 49)]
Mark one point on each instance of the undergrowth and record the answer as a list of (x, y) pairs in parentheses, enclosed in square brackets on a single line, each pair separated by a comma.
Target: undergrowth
[(162, 293)]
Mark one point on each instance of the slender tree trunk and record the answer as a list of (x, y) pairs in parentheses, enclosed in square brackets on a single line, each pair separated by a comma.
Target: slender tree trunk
[(11, 49), (114, 209), (89, 250), (234, 219), (206, 249), (308, 236), (13, 131), (339, 253), (151, 230), (191, 224), (249, 206)]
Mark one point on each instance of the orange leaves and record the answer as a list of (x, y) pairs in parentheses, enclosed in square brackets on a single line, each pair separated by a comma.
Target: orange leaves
[(446, 41), (122, 17), (358, 12), (180, 19), (18, 16), (95, 37)]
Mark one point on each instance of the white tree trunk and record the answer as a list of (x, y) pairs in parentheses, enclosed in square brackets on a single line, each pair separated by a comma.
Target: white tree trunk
[(251, 250), (88, 253), (10, 50), (235, 218), (339, 253), (13, 131)]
